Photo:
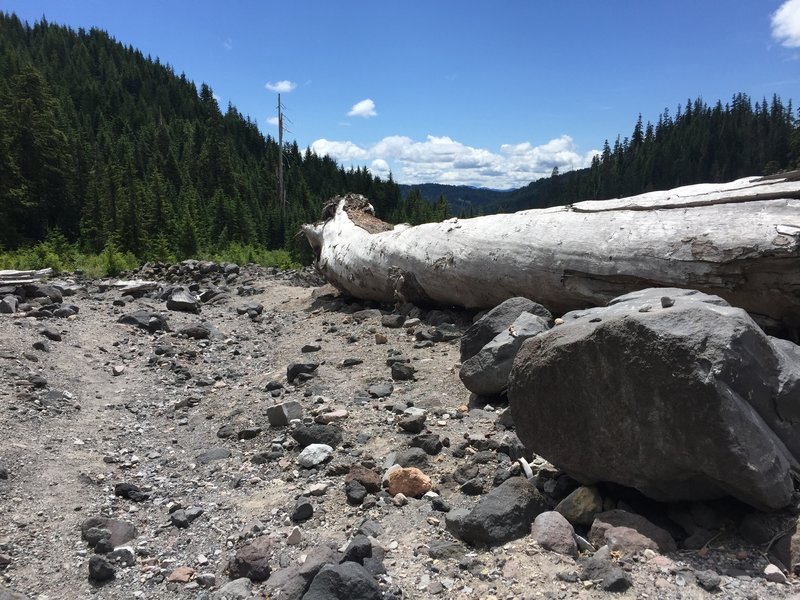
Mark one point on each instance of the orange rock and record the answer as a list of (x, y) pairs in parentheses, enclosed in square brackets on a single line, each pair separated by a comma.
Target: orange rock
[(181, 575), (409, 481)]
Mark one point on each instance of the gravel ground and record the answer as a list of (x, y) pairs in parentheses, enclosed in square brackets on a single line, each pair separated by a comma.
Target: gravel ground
[(112, 403)]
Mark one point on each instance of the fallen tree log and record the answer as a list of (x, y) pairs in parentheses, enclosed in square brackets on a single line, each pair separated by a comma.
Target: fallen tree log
[(739, 240)]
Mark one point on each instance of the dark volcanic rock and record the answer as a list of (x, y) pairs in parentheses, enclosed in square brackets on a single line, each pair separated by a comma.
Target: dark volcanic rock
[(347, 581), (486, 373), (496, 320), (689, 402), (402, 371), (294, 370), (151, 321), (317, 433), (100, 570), (504, 514), (183, 300)]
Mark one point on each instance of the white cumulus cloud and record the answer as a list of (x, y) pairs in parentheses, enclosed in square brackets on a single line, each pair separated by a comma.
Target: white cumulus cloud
[(441, 159), (380, 168), (365, 108), (281, 87), (786, 24), (341, 151)]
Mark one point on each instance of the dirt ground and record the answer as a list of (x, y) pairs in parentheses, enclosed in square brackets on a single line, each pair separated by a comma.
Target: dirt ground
[(113, 403)]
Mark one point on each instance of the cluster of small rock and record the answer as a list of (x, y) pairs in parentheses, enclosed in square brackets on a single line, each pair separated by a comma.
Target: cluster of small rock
[(384, 489)]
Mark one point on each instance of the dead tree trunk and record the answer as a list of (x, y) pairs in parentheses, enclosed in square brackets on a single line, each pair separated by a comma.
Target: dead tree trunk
[(739, 240)]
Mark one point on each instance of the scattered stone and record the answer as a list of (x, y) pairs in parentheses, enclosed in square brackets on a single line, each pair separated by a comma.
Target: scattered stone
[(252, 560), (8, 305), (504, 514), (120, 531), (358, 549), (380, 390), (303, 510), (393, 321), (402, 371), (51, 334), (352, 362), (314, 455), (201, 331), (355, 492), (429, 443), (368, 478), (496, 320), (226, 431), (248, 433), (629, 533), (131, 492), (100, 570), (347, 581), (708, 580), (409, 481), (295, 370), (294, 537), (581, 506), (413, 422), (238, 589), (181, 575), (213, 454), (774, 574), (150, 321), (553, 532), (612, 578), (412, 457), (182, 300), (280, 415), (310, 348), (486, 373), (318, 434)]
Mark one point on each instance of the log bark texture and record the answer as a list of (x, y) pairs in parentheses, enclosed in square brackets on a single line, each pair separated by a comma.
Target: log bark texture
[(738, 240)]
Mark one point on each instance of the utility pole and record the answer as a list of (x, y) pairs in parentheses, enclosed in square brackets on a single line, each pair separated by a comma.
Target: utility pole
[(281, 189)]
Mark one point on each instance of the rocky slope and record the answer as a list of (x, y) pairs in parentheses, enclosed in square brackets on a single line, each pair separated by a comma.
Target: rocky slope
[(240, 449)]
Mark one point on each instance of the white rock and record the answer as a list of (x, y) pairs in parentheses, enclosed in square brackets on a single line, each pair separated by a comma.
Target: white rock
[(774, 574), (314, 454)]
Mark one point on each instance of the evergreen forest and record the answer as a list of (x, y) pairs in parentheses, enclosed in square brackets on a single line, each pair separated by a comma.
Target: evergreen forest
[(104, 148)]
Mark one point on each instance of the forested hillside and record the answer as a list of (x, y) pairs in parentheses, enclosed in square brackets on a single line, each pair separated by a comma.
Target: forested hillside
[(108, 146), (701, 143), (112, 149)]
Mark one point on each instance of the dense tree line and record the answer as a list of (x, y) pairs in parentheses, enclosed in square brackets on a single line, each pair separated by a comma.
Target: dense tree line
[(701, 143), (109, 147)]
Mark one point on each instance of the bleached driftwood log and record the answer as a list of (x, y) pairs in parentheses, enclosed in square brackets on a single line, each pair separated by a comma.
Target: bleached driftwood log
[(12, 277), (739, 240)]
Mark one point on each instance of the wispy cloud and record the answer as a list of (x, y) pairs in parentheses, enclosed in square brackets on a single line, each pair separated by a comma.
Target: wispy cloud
[(273, 121), (440, 159), (281, 87), (365, 108), (227, 43), (786, 24)]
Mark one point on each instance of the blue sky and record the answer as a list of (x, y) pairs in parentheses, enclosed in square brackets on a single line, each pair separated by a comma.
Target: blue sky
[(463, 92)]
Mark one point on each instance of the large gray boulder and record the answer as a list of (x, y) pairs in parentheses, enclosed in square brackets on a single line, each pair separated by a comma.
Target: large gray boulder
[(672, 392), (486, 373), (496, 320)]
